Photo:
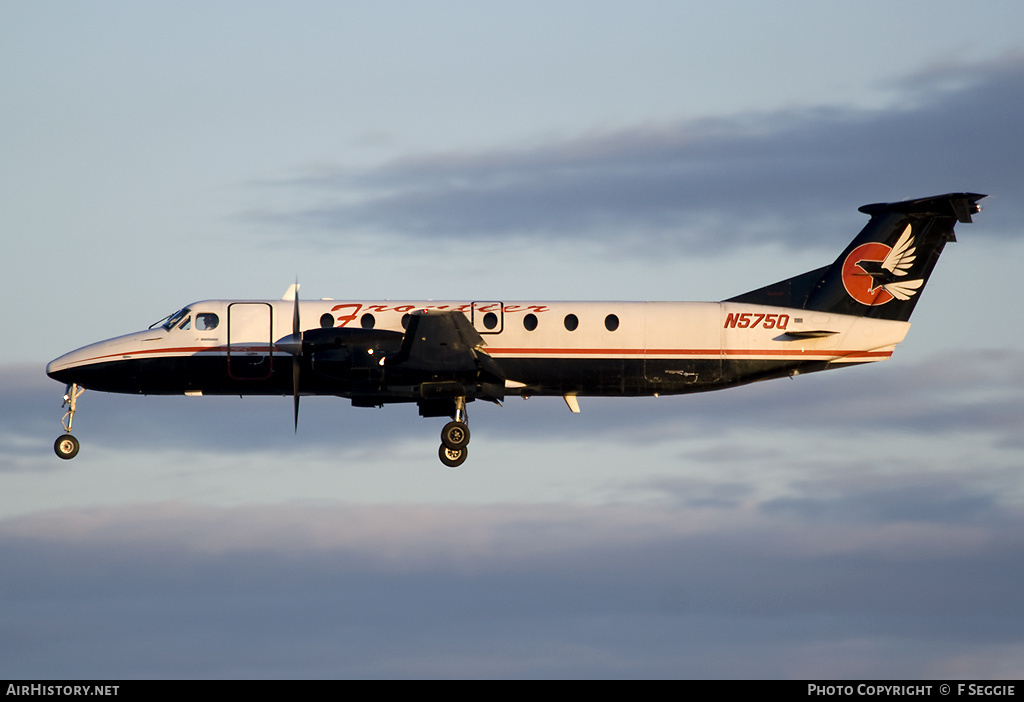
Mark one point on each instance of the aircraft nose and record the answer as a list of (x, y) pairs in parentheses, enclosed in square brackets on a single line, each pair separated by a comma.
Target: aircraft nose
[(79, 366), (63, 367), (102, 366)]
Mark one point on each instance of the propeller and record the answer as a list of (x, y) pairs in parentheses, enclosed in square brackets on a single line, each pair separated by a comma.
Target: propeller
[(293, 345), (296, 358)]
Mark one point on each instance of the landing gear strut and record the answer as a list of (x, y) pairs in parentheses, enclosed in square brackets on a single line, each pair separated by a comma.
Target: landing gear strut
[(67, 446), (455, 436)]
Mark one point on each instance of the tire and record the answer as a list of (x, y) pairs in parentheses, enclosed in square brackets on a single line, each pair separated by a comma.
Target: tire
[(66, 447), (453, 458), (455, 435)]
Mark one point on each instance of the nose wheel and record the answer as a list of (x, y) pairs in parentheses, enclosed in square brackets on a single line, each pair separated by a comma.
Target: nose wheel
[(455, 436), (67, 446)]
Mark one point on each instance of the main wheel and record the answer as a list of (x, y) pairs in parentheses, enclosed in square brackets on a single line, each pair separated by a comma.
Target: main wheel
[(453, 458), (66, 446), (455, 435)]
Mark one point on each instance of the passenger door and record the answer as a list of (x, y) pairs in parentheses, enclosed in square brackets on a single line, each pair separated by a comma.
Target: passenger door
[(250, 340)]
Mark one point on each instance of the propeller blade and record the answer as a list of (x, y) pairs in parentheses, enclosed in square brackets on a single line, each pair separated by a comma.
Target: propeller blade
[(292, 344), (296, 358), (295, 311), (295, 389)]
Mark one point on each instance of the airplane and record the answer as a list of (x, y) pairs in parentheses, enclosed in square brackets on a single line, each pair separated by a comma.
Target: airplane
[(442, 355)]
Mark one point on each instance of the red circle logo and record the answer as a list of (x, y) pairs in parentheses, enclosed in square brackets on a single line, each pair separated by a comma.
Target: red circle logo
[(861, 285)]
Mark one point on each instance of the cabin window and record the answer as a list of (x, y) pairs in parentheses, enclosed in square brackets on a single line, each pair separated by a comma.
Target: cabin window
[(405, 321), (326, 320), (367, 321), (530, 322), (571, 322), (207, 321), (490, 320), (611, 322)]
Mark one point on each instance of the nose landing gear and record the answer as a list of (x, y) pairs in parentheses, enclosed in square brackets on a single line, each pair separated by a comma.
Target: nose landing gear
[(67, 446)]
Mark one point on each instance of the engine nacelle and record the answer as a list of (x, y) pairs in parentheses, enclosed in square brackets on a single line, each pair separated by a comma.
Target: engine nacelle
[(354, 355)]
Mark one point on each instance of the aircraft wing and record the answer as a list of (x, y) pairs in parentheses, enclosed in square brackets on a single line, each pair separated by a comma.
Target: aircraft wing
[(438, 342), (442, 344)]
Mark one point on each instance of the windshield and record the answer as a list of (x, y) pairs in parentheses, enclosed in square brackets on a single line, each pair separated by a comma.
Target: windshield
[(170, 320)]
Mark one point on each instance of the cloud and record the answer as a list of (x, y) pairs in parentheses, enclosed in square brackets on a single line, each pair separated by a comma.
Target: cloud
[(976, 392), (857, 524), (629, 590), (793, 177), (976, 395)]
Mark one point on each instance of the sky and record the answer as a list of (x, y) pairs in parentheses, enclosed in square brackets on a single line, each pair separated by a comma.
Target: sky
[(860, 524)]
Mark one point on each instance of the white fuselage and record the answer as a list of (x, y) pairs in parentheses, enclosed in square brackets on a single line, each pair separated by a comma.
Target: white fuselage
[(545, 347)]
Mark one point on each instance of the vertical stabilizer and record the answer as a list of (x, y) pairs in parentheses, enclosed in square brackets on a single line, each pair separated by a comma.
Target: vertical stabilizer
[(883, 271)]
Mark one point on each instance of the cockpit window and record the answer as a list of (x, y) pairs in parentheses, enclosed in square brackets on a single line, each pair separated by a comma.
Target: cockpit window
[(170, 320), (206, 321), (187, 324)]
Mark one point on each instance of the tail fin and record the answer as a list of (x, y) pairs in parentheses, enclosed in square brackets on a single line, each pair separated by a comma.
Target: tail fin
[(882, 272)]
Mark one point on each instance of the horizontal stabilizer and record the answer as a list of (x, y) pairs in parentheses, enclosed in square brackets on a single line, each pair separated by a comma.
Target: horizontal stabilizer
[(808, 334), (958, 205)]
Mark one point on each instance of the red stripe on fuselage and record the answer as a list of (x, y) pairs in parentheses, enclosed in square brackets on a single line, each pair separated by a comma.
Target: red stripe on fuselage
[(557, 352), (833, 353)]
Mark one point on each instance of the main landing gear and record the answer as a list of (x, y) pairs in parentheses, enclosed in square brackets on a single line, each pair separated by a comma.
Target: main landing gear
[(67, 446), (454, 437)]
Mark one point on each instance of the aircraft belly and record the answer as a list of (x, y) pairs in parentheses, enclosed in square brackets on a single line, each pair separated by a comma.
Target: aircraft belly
[(175, 375), (609, 377), (156, 376), (584, 376), (619, 378)]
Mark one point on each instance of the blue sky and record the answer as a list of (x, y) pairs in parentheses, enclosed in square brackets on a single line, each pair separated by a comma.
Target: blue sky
[(857, 524)]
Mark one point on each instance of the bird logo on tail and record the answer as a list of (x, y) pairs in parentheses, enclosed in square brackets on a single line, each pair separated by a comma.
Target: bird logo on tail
[(873, 273)]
